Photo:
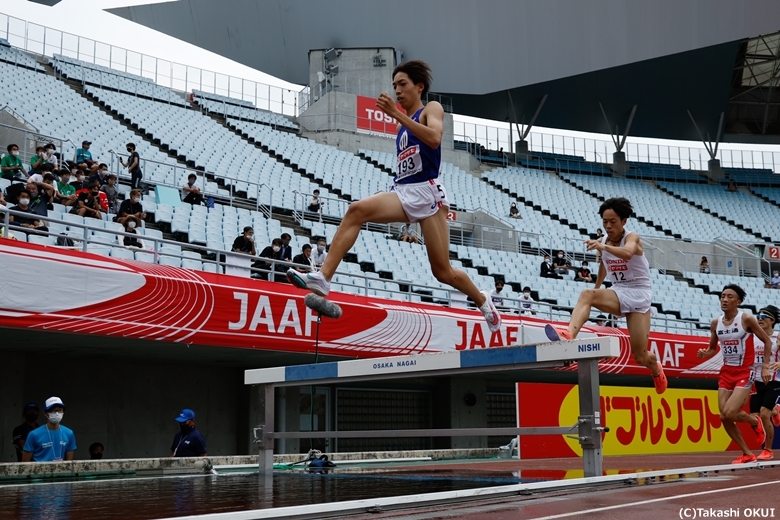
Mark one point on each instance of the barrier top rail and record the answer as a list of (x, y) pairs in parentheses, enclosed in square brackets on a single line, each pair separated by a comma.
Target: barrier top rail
[(439, 363)]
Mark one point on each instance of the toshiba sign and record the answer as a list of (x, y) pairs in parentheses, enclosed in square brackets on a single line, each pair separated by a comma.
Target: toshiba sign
[(371, 119)]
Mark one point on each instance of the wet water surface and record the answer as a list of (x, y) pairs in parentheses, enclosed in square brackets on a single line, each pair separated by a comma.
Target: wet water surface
[(146, 498)]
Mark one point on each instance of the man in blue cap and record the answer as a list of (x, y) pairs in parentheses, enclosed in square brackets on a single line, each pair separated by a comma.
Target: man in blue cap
[(52, 441), (188, 442), (30, 414)]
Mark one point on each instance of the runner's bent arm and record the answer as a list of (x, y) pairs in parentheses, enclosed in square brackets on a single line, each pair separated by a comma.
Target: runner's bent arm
[(628, 250), (713, 347), (429, 133)]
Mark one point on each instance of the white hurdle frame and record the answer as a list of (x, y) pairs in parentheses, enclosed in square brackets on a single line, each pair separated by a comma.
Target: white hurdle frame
[(586, 352)]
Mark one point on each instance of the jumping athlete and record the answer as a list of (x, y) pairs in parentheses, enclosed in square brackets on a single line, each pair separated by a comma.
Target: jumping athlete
[(624, 263), (417, 195), (764, 401), (734, 331)]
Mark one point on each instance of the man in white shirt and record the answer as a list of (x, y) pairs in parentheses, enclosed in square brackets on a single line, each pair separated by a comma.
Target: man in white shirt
[(526, 302), (320, 254)]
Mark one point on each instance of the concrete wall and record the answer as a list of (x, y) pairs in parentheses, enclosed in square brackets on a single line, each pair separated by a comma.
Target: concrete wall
[(367, 72), (463, 415), (127, 406)]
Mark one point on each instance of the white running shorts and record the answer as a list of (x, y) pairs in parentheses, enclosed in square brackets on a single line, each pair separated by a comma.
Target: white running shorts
[(633, 299), (421, 200)]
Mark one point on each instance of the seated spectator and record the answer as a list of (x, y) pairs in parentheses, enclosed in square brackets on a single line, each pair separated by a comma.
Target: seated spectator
[(42, 170), (775, 281), (514, 212), (101, 175), (319, 256), (96, 451), (407, 235), (303, 260), (52, 157), (131, 206), (547, 270), (601, 320), (130, 225), (560, 264), (314, 202), (704, 265), (84, 158), (732, 187), (88, 203), (37, 160), (112, 193), (583, 273), (527, 302), (496, 296), (66, 192), (11, 165), (269, 252), (41, 195), (190, 193), (245, 243), (78, 177), (31, 222), (285, 254)]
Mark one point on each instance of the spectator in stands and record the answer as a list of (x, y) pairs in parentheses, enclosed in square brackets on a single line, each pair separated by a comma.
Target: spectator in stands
[(37, 160), (286, 253), (560, 264), (40, 196), (112, 193), (245, 242), (704, 265), (269, 252), (407, 235), (52, 441), (599, 237), (775, 281), (52, 157), (11, 164), (732, 187), (319, 256), (84, 158), (583, 273), (527, 302), (303, 261), (601, 320), (131, 206), (190, 193), (133, 166), (78, 177), (96, 451), (48, 180), (88, 203), (496, 296), (30, 222), (42, 170), (188, 442), (513, 211), (314, 202), (547, 270), (101, 175), (130, 225), (66, 192), (30, 413)]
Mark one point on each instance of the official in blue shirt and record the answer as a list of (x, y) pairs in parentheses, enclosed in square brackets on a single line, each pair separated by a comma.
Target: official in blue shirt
[(52, 441), (188, 442)]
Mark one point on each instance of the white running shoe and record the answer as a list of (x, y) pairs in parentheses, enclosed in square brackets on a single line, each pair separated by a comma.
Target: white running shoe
[(490, 313), (314, 282)]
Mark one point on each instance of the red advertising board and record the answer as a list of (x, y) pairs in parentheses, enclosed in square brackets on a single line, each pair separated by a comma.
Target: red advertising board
[(94, 294), (371, 119)]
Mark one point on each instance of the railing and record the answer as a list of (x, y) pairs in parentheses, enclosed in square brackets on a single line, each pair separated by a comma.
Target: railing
[(37, 138), (688, 262), (83, 238), (45, 41), (327, 205), (178, 170)]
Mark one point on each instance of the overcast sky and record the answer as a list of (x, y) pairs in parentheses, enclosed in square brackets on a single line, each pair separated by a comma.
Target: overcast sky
[(87, 18)]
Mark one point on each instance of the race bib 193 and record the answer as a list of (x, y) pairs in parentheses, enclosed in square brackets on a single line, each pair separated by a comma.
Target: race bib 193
[(409, 162)]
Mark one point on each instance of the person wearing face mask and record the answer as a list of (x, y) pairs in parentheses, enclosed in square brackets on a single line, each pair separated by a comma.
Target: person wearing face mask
[(52, 441), (513, 211), (547, 270), (109, 188), (88, 203), (131, 206), (77, 179), (190, 193), (318, 257), (41, 194), (31, 222), (245, 243), (51, 155), (30, 413), (11, 164), (100, 176), (560, 264), (303, 260), (84, 158), (527, 302), (96, 451), (130, 225), (38, 159), (188, 442), (583, 273), (133, 166), (264, 267)]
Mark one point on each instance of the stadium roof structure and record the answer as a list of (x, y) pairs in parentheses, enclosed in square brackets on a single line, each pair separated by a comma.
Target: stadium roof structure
[(498, 59)]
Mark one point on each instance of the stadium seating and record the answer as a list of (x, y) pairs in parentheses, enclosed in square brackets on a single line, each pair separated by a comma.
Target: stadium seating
[(240, 109)]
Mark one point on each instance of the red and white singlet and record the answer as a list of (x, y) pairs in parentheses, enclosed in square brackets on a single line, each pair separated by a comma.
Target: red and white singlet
[(759, 358), (634, 272), (736, 344)]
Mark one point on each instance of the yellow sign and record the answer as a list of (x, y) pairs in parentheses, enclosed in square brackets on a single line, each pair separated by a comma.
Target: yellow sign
[(643, 422)]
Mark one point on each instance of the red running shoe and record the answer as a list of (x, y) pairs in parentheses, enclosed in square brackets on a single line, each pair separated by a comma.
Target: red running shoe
[(766, 455), (660, 382), (759, 430), (744, 459), (554, 334), (776, 416)]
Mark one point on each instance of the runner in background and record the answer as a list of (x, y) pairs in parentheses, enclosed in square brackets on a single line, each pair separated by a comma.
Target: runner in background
[(764, 401)]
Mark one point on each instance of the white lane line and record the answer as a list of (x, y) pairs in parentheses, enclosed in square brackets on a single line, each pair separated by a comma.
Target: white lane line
[(663, 499)]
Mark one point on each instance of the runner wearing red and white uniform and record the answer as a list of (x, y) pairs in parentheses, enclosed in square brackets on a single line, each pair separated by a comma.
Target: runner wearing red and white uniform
[(764, 401), (739, 335)]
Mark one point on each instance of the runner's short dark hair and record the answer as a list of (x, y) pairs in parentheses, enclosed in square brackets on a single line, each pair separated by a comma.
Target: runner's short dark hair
[(418, 71), (620, 205), (737, 289)]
